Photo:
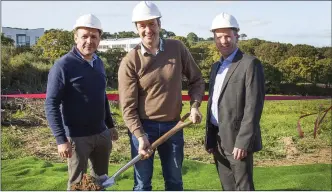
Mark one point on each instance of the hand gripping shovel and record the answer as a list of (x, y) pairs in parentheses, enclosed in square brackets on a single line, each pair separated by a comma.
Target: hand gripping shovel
[(109, 181)]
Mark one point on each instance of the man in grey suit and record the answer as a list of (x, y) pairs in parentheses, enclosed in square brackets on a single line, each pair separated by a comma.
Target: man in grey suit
[(236, 99)]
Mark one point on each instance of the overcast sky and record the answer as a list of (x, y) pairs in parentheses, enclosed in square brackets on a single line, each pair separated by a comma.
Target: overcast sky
[(295, 22)]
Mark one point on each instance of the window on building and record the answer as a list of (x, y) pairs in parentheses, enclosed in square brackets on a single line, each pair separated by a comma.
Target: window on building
[(36, 39), (27, 42), (22, 40), (119, 46)]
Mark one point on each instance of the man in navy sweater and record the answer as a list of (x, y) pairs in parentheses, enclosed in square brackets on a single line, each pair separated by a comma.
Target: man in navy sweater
[(76, 105)]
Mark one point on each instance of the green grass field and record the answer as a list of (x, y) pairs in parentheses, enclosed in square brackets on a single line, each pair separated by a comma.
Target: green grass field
[(278, 121), (32, 174)]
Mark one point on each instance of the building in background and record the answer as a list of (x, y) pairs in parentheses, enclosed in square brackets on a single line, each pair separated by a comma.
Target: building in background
[(23, 37), (126, 43)]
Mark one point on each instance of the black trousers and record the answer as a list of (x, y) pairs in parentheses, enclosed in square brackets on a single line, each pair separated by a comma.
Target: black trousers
[(234, 174)]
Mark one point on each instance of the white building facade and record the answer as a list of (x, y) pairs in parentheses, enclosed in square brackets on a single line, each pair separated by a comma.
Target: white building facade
[(126, 43), (23, 37)]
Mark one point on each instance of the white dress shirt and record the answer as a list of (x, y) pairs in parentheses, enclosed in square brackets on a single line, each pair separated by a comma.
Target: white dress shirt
[(220, 77)]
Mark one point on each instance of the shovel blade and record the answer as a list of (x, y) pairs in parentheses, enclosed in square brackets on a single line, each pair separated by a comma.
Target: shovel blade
[(109, 182)]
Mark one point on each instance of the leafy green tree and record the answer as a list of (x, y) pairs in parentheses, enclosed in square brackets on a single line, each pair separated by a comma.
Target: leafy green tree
[(126, 34), (6, 54), (256, 42), (106, 35), (212, 55), (273, 78), (328, 53), (112, 58), (163, 33), (166, 34), (201, 39), (325, 71), (271, 53), (192, 37), (119, 35), (6, 41), (200, 52), (183, 39), (210, 39), (324, 52), (249, 46), (170, 34), (24, 72), (243, 36), (297, 69), (55, 43), (302, 51)]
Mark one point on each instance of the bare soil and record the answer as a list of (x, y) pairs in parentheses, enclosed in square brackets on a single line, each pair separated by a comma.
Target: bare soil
[(88, 183), (322, 155), (295, 157)]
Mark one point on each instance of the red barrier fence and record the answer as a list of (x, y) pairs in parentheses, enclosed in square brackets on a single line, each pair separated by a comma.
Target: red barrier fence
[(115, 97)]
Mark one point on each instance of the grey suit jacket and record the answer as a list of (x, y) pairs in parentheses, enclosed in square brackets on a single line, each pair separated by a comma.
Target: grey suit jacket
[(240, 105)]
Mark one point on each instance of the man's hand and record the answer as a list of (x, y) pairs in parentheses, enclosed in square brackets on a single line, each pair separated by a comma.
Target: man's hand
[(114, 134), (239, 153), (65, 150), (143, 146), (195, 115)]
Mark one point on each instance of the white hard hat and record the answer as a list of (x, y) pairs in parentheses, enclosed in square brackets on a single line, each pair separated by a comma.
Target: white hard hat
[(224, 20), (145, 10), (89, 21)]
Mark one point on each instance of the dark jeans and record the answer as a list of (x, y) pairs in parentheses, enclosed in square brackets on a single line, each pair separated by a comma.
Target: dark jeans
[(171, 156), (94, 149)]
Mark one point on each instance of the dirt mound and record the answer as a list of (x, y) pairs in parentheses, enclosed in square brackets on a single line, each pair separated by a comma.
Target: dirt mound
[(320, 156), (291, 150), (88, 183)]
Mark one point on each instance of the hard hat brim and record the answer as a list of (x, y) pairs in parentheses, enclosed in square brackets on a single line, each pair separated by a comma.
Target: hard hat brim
[(234, 28), (145, 19), (91, 27)]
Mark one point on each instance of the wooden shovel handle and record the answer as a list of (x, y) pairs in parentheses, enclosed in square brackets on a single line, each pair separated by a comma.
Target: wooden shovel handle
[(180, 125)]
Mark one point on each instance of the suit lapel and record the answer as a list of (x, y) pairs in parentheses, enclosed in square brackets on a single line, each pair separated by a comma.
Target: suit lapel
[(233, 66), (213, 74)]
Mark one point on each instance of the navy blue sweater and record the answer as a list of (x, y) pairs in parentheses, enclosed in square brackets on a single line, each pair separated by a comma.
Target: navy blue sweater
[(76, 104)]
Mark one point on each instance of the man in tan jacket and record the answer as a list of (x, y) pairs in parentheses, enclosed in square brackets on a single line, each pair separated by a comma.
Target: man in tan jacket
[(150, 85)]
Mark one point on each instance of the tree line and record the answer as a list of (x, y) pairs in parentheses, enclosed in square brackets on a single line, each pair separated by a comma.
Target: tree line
[(25, 69)]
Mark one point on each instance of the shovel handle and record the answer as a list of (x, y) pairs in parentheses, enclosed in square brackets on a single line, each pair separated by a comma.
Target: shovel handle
[(180, 125)]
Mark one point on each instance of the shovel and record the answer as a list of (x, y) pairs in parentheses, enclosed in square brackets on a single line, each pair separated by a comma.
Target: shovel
[(109, 181)]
